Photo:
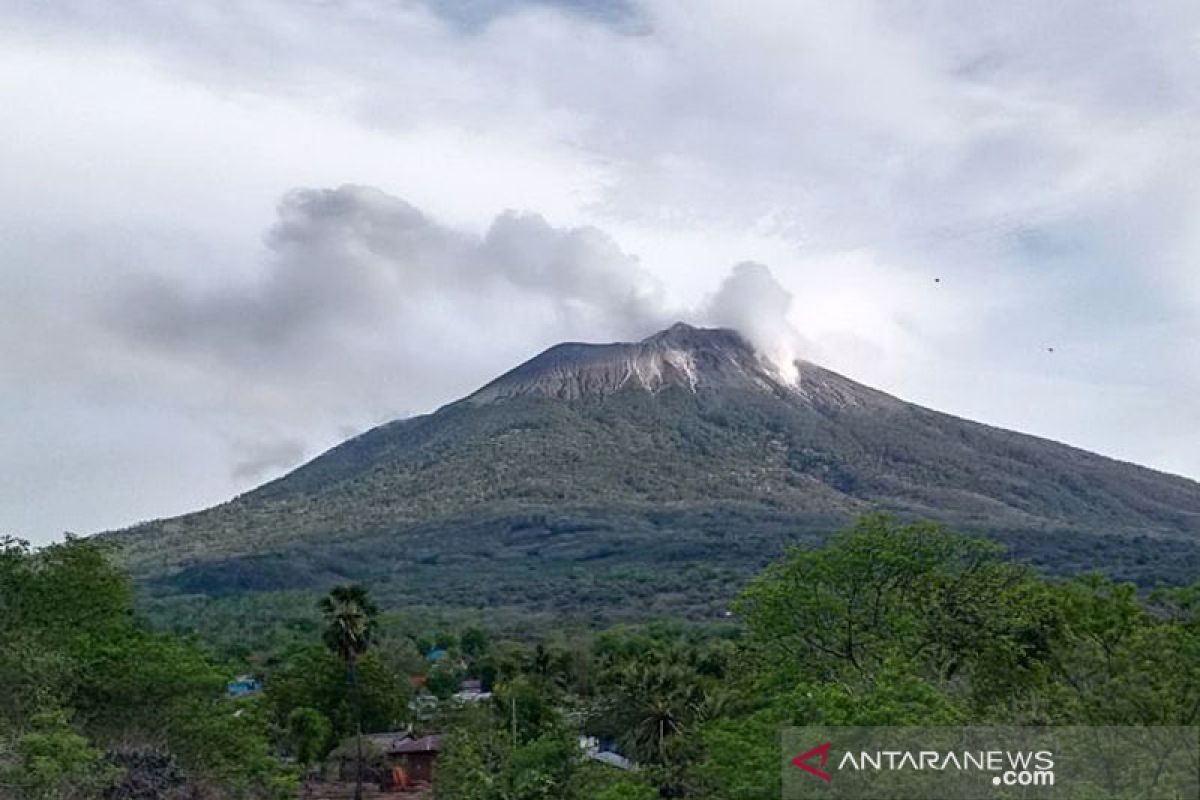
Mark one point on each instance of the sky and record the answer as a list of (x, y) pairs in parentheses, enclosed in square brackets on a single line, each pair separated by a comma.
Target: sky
[(234, 234)]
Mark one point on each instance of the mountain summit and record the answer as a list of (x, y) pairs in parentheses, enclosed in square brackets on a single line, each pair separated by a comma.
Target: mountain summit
[(649, 477), (681, 356)]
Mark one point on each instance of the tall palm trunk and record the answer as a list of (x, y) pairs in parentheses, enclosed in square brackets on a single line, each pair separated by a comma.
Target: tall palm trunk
[(350, 617), (352, 675)]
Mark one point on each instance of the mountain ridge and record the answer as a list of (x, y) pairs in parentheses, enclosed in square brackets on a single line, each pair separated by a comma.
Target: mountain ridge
[(685, 450)]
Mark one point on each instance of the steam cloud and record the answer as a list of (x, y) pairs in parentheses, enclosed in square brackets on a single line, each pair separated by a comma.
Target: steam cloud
[(751, 301)]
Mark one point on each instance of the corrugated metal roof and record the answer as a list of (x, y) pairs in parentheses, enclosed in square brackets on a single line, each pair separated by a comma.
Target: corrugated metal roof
[(426, 744)]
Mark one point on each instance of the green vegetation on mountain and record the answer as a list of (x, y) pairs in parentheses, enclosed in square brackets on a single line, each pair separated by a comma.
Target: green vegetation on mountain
[(648, 479)]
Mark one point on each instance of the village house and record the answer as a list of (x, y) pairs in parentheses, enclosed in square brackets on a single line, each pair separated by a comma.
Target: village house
[(395, 760)]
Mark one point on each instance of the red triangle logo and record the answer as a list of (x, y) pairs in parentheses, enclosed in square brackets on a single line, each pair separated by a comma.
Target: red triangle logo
[(823, 752)]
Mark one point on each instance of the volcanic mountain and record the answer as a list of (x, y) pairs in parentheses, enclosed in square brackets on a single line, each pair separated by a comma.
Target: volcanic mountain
[(651, 477)]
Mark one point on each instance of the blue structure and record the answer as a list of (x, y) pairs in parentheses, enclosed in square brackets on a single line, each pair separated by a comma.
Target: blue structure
[(242, 686)]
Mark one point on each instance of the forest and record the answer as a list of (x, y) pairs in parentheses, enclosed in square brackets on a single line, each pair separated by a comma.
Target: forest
[(888, 622)]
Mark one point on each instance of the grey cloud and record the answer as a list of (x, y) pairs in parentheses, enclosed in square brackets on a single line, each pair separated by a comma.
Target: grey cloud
[(342, 256), (579, 267), (354, 260), (262, 458)]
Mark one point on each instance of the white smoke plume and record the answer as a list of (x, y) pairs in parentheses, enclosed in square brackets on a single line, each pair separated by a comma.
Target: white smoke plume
[(751, 301)]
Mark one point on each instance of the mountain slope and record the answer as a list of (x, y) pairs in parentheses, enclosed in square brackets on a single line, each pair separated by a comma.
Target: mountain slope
[(568, 480)]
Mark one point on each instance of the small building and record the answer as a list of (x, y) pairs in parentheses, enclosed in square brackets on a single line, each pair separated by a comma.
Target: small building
[(393, 760), (604, 752), (383, 742), (416, 758), (242, 686)]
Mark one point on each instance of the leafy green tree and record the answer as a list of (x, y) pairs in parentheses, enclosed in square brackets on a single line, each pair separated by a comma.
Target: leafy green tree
[(309, 734), (1119, 661), (885, 590), (525, 709), (443, 681), (471, 760), (481, 761), (595, 781), (889, 623), (71, 644), (129, 681), (313, 677), (227, 745), (54, 762), (473, 642), (349, 622), (42, 632)]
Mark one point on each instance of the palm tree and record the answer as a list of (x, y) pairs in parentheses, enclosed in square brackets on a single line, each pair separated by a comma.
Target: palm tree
[(349, 622), (655, 704), (662, 701)]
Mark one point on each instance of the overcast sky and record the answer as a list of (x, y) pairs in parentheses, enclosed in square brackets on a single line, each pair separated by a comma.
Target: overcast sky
[(232, 234)]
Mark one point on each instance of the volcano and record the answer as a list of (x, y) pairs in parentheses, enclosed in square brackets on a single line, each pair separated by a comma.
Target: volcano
[(652, 477)]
